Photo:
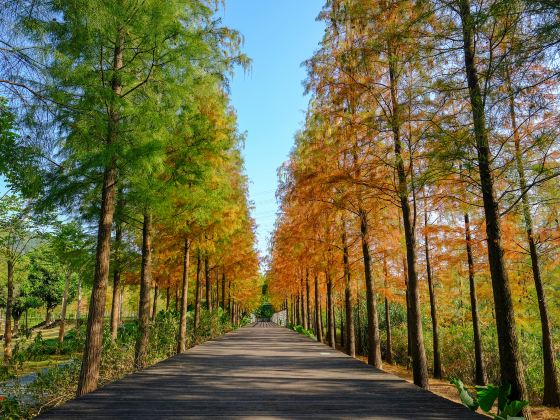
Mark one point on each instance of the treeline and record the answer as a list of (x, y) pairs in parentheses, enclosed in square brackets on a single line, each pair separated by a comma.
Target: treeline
[(122, 164), (426, 178)]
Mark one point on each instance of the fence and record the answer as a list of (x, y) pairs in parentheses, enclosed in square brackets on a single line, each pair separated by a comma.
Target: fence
[(280, 318)]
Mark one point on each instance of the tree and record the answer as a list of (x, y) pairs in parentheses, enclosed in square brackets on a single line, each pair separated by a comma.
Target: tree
[(18, 229), (47, 278)]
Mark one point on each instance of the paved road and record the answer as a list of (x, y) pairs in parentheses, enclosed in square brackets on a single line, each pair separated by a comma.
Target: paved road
[(261, 371)]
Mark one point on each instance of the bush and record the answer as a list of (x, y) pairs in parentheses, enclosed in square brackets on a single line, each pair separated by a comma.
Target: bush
[(299, 329), (58, 384)]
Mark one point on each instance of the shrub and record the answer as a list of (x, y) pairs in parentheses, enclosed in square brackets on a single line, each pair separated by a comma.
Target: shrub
[(58, 384)]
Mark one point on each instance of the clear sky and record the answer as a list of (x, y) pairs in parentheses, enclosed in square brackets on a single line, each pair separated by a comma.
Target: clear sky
[(279, 36)]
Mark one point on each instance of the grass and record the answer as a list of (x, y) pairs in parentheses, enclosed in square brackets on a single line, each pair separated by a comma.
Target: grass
[(32, 366)]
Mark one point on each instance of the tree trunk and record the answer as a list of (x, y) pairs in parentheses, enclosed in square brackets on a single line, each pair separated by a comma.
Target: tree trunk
[(374, 342), (9, 306), (208, 285), (511, 367), (229, 296), (318, 315), (342, 339), (389, 355), (350, 338), (182, 341), (433, 304), (121, 303), (16, 324), (154, 306), (358, 321), (551, 394), (91, 359), (48, 316), (480, 369), (296, 303), (115, 303), (117, 269), (78, 305), (419, 362), (177, 297), (408, 329), (303, 306), (167, 298), (144, 304), (63, 310), (308, 301), (321, 321), (331, 324), (198, 291), (223, 289)]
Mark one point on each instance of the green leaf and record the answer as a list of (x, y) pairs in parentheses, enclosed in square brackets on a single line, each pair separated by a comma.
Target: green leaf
[(513, 408), (486, 396), (467, 399), (505, 390)]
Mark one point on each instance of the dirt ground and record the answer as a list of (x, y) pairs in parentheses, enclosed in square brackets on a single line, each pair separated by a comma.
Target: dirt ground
[(445, 389)]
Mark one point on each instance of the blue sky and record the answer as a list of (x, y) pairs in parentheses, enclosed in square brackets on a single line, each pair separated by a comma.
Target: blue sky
[(279, 36)]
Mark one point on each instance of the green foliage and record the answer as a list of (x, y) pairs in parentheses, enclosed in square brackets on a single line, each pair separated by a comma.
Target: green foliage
[(18, 160), (47, 276), (486, 397), (467, 399), (58, 384), (40, 348), (11, 409), (266, 310), (299, 329)]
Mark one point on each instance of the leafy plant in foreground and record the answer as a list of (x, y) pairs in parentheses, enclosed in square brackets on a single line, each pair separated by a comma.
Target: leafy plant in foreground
[(485, 399)]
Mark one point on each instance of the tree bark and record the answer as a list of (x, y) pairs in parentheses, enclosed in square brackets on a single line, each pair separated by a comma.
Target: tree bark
[(177, 297), (303, 305), (167, 298), (115, 303), (48, 316), (208, 285), (408, 322), (9, 306), (480, 369), (154, 306), (511, 366), (318, 315), (419, 362), (551, 394), (78, 305), (350, 337), (433, 304), (308, 301), (223, 289), (198, 291), (144, 304), (296, 303), (64, 306), (342, 339), (374, 342), (331, 322), (321, 321), (117, 269), (91, 359), (16, 324), (182, 339), (389, 355)]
